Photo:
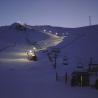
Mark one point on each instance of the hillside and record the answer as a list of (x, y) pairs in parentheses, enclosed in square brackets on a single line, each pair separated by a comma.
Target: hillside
[(18, 33), (21, 78), (79, 45)]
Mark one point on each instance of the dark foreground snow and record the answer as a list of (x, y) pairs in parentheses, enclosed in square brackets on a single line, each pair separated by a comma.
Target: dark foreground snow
[(36, 80)]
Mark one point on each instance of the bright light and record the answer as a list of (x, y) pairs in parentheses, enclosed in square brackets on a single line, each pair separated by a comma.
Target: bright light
[(34, 48), (32, 54), (30, 51)]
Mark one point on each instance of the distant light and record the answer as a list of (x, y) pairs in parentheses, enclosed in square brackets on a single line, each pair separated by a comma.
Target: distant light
[(65, 35), (34, 48), (44, 30), (56, 33), (50, 31)]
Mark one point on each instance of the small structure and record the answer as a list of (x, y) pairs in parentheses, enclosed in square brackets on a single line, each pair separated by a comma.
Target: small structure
[(93, 68), (80, 78), (93, 71)]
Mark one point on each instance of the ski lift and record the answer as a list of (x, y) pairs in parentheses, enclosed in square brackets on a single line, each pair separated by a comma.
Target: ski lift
[(31, 55), (65, 60)]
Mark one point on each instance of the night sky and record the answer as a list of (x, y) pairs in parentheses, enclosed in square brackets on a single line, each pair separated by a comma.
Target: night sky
[(66, 13)]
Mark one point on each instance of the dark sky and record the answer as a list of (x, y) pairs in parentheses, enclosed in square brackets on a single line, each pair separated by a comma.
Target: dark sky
[(66, 13)]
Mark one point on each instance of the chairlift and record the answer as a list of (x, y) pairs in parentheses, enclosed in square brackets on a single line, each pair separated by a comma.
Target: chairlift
[(65, 60)]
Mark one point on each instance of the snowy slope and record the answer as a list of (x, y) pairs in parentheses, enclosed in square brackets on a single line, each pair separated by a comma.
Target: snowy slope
[(79, 44), (23, 35), (20, 78), (14, 33), (82, 48), (37, 80)]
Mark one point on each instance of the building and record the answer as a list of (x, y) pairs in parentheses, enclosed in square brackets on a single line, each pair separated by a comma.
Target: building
[(80, 78)]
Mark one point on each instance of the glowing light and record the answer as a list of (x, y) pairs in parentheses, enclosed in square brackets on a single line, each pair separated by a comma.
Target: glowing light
[(30, 51), (11, 60), (19, 54), (56, 33), (44, 30), (34, 48)]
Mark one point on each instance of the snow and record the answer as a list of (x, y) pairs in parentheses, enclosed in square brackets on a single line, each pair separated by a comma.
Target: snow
[(37, 79), (20, 78)]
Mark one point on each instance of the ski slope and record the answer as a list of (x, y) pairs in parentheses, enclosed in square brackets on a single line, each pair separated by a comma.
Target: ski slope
[(20, 78), (15, 43)]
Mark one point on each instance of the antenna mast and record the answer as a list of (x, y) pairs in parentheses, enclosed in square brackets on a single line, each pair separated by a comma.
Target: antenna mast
[(90, 21)]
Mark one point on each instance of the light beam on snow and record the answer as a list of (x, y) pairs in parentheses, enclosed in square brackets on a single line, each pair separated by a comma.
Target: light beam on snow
[(20, 54), (11, 60), (53, 40)]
